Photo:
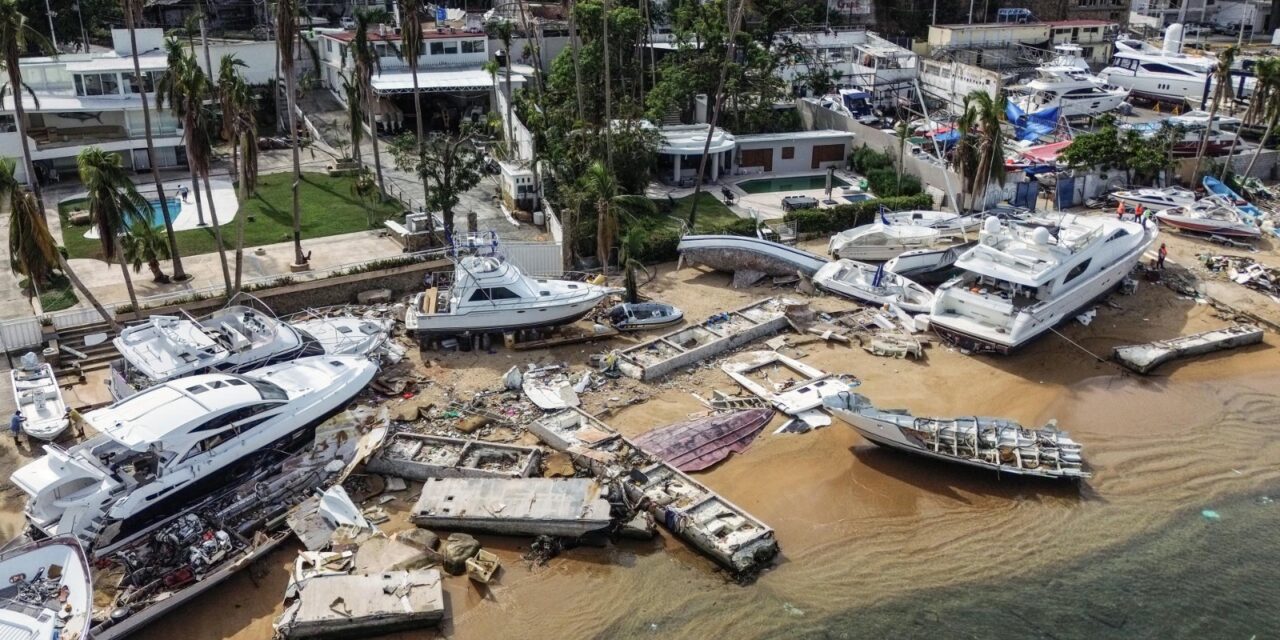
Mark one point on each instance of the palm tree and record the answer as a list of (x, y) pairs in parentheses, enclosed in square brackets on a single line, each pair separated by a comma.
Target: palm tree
[(141, 244), (718, 106), (286, 40), (608, 99), (1265, 102), (990, 144), (1221, 93), (903, 132), (14, 35), (238, 112), (411, 47), (114, 204), (173, 89), (132, 9), (602, 188), (366, 62), (577, 65), (355, 117), (504, 30), (229, 82)]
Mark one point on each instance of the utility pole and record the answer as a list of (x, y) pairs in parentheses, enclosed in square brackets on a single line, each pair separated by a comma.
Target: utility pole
[(53, 37), (83, 34)]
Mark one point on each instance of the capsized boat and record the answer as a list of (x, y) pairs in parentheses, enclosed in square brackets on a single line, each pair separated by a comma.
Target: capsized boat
[(743, 253), (1157, 199), (928, 266), (166, 448), (879, 241), (989, 443), (49, 592), (874, 284), (637, 316), (1018, 281), (1214, 215), (1216, 187), (490, 294), (37, 396)]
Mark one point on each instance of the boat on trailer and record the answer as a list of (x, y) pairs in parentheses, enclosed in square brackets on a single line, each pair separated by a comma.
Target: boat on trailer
[(874, 284), (1214, 215), (1156, 198), (37, 396), (995, 444)]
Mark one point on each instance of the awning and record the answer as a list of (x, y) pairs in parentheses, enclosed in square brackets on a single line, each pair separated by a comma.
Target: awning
[(1045, 153), (433, 81)]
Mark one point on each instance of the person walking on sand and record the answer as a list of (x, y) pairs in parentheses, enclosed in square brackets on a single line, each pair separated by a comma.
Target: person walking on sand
[(1160, 256), (15, 425)]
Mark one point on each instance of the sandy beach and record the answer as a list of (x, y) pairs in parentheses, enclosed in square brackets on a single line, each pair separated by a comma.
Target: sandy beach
[(858, 525)]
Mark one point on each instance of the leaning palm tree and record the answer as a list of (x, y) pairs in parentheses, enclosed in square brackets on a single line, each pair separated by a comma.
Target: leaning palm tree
[(173, 88), (366, 62), (1221, 93), (142, 245), (504, 31), (411, 48), (602, 189), (990, 142), (286, 41), (229, 81), (15, 36), (132, 9), (114, 204), (1265, 103)]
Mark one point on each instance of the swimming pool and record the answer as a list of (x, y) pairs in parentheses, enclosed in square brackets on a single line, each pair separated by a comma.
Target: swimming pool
[(799, 183), (157, 212)]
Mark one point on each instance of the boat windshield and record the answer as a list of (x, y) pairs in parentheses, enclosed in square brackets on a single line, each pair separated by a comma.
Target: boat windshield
[(268, 390)]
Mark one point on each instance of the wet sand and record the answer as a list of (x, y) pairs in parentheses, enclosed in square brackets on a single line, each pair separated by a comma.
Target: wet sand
[(860, 526)]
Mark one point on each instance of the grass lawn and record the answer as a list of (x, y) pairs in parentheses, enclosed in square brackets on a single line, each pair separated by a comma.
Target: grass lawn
[(713, 215), (57, 295), (328, 208)]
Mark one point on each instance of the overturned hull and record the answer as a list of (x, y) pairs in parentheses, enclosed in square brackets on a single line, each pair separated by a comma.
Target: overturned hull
[(698, 444), (704, 519), (569, 508), (988, 443), (742, 253), (1144, 358), (360, 606)]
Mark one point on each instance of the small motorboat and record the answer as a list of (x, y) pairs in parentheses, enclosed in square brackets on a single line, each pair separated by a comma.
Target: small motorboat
[(1166, 198), (1214, 215), (1216, 187), (947, 222), (37, 396), (928, 266), (875, 284), (639, 316), (881, 241), (990, 443)]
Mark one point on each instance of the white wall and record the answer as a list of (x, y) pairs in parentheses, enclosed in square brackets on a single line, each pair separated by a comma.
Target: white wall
[(259, 56), (802, 160)]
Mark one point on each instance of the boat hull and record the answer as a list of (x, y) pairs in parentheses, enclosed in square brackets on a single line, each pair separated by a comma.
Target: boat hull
[(1198, 225), (501, 321)]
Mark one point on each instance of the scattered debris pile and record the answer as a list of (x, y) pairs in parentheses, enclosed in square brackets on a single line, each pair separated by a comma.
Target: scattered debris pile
[(1245, 271)]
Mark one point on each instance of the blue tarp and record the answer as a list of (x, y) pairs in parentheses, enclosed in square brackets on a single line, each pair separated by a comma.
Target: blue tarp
[(1031, 126), (948, 137)]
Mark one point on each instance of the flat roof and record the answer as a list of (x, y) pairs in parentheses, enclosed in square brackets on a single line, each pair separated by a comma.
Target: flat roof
[(428, 33), (119, 63), (1082, 23), (820, 134), (989, 25), (76, 103), (454, 80)]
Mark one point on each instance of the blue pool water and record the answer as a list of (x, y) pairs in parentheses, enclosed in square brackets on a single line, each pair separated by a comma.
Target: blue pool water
[(157, 212), (802, 183)]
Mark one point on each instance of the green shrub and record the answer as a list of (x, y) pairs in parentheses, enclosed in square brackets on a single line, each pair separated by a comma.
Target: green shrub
[(739, 227), (847, 216), (658, 245), (864, 160), (884, 183)]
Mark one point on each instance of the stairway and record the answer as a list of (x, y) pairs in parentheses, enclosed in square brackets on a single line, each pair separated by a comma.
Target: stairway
[(671, 117), (98, 357)]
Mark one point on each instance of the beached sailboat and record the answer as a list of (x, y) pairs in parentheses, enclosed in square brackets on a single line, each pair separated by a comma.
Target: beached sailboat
[(161, 450), (996, 444), (490, 294), (874, 284), (37, 396)]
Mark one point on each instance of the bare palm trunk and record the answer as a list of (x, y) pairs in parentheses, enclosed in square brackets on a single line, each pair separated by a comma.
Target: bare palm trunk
[(511, 126), (715, 112), (608, 101), (1271, 125), (577, 65), (377, 157), (88, 295), (156, 274), (15, 88), (195, 190), (179, 274), (128, 281), (299, 259), (1204, 135), (217, 235), (417, 115), (242, 195)]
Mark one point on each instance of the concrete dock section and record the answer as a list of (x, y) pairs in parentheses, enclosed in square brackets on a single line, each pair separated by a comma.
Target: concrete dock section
[(1144, 358), (360, 606), (419, 457), (570, 507)]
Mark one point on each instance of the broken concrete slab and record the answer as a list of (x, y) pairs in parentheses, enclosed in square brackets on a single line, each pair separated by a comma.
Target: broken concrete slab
[(1144, 358), (380, 553), (419, 457), (699, 516), (724, 331), (344, 606), (571, 507)]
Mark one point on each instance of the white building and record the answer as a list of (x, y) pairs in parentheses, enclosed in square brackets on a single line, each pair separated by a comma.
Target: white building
[(451, 80), (91, 99), (864, 60), (680, 152)]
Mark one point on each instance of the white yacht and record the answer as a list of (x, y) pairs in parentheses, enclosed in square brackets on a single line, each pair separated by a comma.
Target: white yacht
[(490, 294), (1157, 199), (1066, 82), (37, 396), (49, 591), (1214, 215), (236, 338), (1018, 282), (874, 284), (164, 449), (946, 222), (879, 241), (1159, 73)]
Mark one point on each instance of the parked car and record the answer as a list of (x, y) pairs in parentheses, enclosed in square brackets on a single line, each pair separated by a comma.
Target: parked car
[(347, 23)]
